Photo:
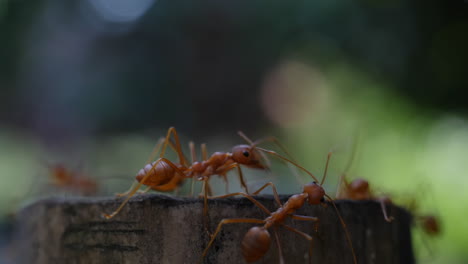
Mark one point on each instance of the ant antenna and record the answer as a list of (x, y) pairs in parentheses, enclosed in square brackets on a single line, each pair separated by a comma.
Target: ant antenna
[(343, 224), (348, 165), (326, 168), (275, 141), (288, 160), (353, 155), (242, 135)]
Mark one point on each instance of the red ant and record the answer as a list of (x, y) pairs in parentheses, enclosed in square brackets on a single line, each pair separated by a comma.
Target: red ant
[(64, 178), (430, 224), (164, 175), (359, 189), (256, 241)]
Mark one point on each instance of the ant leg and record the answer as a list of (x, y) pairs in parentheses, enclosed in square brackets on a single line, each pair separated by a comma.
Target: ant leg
[(178, 148), (307, 218), (271, 152), (209, 190), (172, 186), (205, 197), (384, 210), (174, 183), (145, 190), (306, 236), (257, 203), (132, 192), (206, 192), (275, 193), (339, 189), (205, 206), (278, 244), (193, 155), (155, 150), (239, 172), (152, 155), (426, 245), (228, 221), (204, 151), (226, 182), (128, 191)]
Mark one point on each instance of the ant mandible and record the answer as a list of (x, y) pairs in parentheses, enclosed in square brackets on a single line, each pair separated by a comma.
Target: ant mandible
[(164, 175), (256, 241)]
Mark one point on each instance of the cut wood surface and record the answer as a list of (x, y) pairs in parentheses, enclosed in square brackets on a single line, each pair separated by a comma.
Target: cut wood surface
[(162, 229)]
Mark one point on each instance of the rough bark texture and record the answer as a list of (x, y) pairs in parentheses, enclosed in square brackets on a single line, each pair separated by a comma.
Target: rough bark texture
[(162, 229)]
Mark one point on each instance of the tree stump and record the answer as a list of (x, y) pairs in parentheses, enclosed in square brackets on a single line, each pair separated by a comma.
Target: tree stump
[(161, 229)]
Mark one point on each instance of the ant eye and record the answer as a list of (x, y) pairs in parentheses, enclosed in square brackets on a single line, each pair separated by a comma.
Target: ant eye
[(246, 153), (314, 182), (322, 200)]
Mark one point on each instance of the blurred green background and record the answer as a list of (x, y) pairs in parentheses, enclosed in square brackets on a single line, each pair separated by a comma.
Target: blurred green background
[(94, 83)]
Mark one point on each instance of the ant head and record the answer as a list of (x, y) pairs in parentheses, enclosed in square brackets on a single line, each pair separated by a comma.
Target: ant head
[(359, 185), (315, 193), (255, 243), (248, 156)]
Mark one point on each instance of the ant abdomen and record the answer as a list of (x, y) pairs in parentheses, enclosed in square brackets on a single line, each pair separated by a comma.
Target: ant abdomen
[(255, 244), (161, 174), (430, 225)]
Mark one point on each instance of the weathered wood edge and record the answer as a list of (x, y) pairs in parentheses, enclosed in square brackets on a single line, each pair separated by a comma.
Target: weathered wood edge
[(157, 228)]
